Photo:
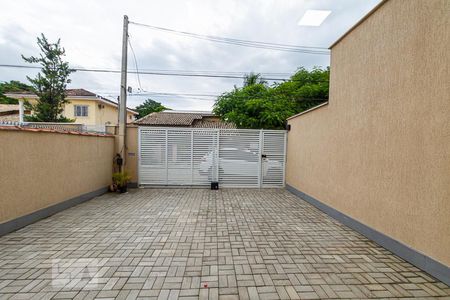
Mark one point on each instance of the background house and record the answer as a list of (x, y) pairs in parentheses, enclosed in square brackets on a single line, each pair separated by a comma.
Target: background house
[(86, 108), (10, 112), (173, 118)]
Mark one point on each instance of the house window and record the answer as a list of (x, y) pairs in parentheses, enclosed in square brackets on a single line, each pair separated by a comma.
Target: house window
[(81, 110)]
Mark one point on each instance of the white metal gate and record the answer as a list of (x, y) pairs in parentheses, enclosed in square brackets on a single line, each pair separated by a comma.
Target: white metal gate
[(191, 156)]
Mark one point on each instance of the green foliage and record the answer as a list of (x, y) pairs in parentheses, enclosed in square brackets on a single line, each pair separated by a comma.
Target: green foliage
[(259, 106), (10, 87), (121, 179), (50, 84), (148, 107), (253, 78)]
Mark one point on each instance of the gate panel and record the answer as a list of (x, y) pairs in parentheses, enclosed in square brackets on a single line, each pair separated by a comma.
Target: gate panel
[(273, 158), (152, 156), (205, 156), (234, 157), (239, 158), (179, 153)]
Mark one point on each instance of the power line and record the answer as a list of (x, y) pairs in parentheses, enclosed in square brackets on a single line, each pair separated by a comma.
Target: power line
[(242, 73), (244, 43), (158, 71), (182, 94), (207, 75), (145, 72), (153, 95), (135, 63), (163, 95), (210, 95), (187, 98), (176, 94)]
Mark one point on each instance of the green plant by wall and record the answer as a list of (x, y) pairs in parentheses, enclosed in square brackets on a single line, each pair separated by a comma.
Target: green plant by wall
[(121, 179)]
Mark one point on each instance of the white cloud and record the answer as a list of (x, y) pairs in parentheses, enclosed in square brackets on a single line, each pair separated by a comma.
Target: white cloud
[(91, 32), (314, 17)]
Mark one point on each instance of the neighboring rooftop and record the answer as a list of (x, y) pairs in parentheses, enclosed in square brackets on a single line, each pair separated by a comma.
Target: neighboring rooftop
[(79, 92), (70, 93), (197, 119)]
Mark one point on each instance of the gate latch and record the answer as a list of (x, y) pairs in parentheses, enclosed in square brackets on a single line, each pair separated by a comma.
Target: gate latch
[(263, 155)]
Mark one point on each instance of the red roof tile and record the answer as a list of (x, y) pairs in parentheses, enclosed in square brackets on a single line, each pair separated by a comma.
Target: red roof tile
[(79, 92), (18, 128), (183, 119)]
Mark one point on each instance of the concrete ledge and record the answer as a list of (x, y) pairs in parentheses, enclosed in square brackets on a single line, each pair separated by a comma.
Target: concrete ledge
[(133, 185), (420, 260), (23, 221), (178, 187)]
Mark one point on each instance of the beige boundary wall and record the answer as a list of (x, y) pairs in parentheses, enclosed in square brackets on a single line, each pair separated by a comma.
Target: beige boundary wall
[(132, 151), (40, 169), (379, 152), (131, 164)]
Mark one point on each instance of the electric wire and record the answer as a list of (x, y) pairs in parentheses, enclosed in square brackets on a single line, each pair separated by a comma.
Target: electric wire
[(240, 42), (242, 73), (157, 73), (135, 63)]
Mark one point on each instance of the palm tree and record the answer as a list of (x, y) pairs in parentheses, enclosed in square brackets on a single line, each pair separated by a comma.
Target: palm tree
[(252, 79)]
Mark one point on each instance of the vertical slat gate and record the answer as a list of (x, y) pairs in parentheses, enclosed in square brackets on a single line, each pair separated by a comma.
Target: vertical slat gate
[(152, 156), (178, 157), (273, 162), (234, 157), (239, 158), (205, 156)]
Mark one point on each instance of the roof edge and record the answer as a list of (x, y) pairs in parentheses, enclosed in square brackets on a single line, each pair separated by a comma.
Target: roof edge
[(92, 98), (50, 130), (371, 12)]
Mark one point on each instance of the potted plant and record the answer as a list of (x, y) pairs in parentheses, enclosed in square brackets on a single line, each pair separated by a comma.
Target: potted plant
[(120, 180)]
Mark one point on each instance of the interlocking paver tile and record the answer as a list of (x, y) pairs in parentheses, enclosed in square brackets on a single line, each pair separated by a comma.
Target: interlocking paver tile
[(202, 244)]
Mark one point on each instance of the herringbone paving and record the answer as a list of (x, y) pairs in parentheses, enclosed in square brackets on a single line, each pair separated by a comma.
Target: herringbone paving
[(195, 243)]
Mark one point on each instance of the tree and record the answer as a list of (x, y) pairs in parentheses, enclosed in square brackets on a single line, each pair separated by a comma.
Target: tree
[(259, 106), (50, 85), (12, 86), (148, 107), (252, 79)]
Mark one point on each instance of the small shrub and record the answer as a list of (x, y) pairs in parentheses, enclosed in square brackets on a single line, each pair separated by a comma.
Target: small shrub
[(121, 179)]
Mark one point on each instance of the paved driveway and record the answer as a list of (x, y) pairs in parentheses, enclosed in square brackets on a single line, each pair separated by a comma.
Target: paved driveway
[(190, 243)]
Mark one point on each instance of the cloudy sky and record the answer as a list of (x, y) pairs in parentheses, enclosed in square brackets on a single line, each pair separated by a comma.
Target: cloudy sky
[(91, 33)]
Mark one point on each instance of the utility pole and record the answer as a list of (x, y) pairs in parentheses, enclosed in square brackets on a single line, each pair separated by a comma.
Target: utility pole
[(123, 93)]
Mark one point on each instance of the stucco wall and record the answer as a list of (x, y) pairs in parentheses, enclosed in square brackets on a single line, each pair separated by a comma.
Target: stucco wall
[(109, 114), (40, 169), (132, 152), (106, 114), (69, 111), (96, 116), (380, 150), (131, 164)]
